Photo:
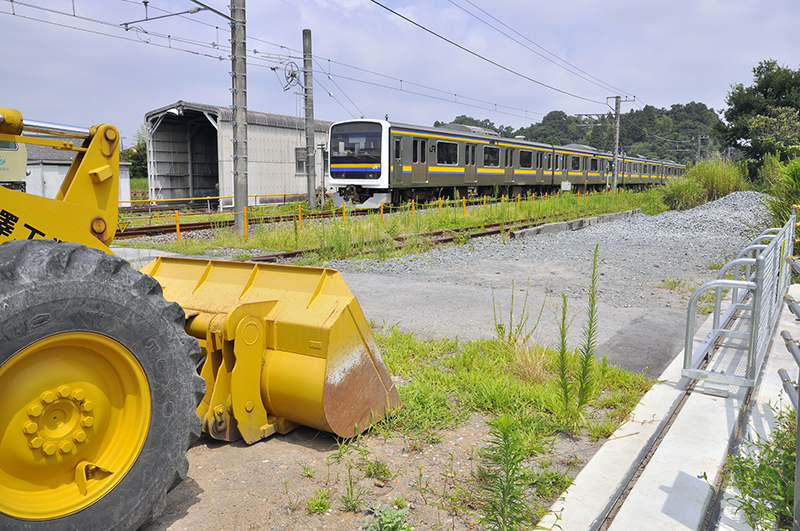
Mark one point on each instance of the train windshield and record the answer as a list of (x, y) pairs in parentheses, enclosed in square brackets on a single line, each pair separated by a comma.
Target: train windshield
[(356, 150)]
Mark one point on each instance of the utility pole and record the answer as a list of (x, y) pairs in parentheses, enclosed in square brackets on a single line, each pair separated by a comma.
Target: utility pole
[(617, 101), (239, 107), (308, 82), (699, 138)]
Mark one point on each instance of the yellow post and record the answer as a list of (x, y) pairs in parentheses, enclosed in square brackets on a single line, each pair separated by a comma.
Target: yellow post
[(545, 196), (299, 217), (533, 198), (464, 201), (412, 208), (245, 222), (484, 202), (344, 209), (518, 199), (440, 205), (178, 226), (381, 211)]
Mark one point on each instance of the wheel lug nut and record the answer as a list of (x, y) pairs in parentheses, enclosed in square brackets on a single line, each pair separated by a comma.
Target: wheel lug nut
[(48, 448), (79, 436), (65, 447), (30, 428), (47, 397), (87, 422), (78, 394), (34, 410), (35, 443), (87, 406), (64, 391)]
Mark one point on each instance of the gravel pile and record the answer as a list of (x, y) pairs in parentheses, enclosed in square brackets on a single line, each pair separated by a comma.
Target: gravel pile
[(636, 254)]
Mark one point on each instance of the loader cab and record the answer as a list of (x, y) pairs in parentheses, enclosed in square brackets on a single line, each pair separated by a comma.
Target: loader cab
[(13, 165)]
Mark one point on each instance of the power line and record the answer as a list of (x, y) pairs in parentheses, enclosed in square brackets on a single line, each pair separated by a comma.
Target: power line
[(261, 57), (591, 79), (340, 88), (483, 58)]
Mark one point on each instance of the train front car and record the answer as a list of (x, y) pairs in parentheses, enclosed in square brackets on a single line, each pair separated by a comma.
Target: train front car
[(359, 158)]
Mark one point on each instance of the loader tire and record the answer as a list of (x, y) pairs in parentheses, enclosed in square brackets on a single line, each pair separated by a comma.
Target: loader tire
[(98, 390)]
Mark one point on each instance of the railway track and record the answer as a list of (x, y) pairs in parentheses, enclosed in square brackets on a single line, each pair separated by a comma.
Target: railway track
[(435, 238), (398, 242), (190, 226)]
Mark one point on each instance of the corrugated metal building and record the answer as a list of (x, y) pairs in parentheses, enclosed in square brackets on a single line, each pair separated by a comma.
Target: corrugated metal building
[(190, 153)]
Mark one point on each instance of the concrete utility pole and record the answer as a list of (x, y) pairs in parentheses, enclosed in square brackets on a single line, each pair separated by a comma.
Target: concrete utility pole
[(308, 82), (239, 107), (699, 138), (616, 140)]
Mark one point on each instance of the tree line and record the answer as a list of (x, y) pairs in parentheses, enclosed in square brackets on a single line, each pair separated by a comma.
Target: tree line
[(761, 120)]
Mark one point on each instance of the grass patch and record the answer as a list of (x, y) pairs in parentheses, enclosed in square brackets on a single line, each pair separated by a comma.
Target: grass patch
[(521, 388), (373, 234)]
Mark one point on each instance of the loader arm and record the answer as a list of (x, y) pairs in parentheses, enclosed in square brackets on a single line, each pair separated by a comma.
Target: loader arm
[(86, 206)]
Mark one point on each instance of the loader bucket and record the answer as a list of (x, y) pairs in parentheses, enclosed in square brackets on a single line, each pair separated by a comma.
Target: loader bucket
[(283, 346)]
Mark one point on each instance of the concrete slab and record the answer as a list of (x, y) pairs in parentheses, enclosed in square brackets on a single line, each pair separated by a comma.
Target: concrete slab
[(563, 226)]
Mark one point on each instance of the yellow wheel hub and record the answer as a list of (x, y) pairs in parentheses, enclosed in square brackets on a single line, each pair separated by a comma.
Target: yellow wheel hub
[(74, 415)]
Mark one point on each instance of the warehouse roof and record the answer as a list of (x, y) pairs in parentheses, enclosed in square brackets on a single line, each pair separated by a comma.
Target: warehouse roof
[(225, 114)]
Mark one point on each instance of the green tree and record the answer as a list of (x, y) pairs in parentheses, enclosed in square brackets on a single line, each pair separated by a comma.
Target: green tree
[(763, 117), (137, 154), (669, 134)]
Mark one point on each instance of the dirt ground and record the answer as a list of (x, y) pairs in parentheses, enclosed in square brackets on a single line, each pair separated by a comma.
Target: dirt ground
[(264, 487)]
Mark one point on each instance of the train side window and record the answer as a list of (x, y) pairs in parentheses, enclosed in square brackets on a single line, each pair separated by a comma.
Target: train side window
[(446, 153), (576, 163), (539, 159), (526, 159), (547, 162), (423, 151), (397, 148), (474, 158), (593, 164), (415, 156), (466, 155), (491, 156)]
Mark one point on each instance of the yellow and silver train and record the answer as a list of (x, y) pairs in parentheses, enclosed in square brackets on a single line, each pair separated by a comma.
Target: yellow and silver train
[(375, 161)]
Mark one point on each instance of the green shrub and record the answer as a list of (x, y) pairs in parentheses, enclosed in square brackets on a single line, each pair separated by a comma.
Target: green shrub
[(763, 473), (683, 194), (785, 194)]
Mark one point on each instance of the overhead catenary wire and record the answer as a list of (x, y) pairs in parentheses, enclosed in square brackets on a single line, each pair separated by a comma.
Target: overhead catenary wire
[(486, 59), (448, 96), (586, 76), (261, 56)]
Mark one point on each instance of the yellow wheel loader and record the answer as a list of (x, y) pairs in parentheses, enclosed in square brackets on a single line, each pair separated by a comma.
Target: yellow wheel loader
[(107, 374)]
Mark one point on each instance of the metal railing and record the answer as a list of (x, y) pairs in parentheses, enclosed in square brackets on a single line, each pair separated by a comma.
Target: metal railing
[(761, 275)]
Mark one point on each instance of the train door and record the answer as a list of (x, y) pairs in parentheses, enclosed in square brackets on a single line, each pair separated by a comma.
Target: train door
[(470, 163), (397, 160), (547, 170), (419, 161), (509, 166)]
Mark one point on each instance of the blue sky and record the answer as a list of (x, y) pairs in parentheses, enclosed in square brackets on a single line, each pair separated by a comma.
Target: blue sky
[(662, 53)]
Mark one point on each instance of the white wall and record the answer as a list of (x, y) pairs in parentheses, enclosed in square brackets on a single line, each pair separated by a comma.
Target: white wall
[(45, 178)]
